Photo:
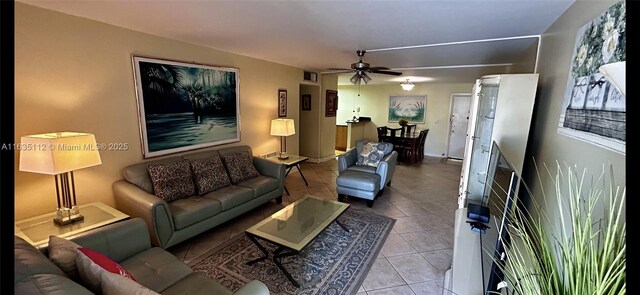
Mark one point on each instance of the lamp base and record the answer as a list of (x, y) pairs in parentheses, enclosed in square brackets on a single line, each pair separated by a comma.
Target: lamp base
[(283, 155), (66, 216)]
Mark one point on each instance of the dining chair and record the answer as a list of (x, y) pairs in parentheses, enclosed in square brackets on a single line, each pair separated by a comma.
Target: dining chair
[(421, 142), (410, 128), (382, 133)]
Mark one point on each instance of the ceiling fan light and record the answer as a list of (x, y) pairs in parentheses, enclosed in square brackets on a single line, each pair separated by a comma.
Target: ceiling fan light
[(407, 85), (365, 77), (355, 79)]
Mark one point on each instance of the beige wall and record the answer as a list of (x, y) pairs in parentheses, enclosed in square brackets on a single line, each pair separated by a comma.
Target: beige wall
[(73, 74), (374, 102), (327, 124), (546, 145), (310, 124)]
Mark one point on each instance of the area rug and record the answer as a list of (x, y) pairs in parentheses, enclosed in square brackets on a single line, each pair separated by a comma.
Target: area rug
[(336, 262)]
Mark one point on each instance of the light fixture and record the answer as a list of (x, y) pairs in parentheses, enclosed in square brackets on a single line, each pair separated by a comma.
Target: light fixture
[(615, 73), (360, 76), (407, 85), (60, 154), (282, 128)]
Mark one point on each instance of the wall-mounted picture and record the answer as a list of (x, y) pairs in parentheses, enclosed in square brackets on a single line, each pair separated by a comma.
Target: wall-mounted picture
[(305, 102), (282, 103), (593, 110), (410, 107), (332, 103), (185, 106)]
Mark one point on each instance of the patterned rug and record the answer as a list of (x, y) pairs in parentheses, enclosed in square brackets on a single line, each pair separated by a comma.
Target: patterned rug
[(336, 262)]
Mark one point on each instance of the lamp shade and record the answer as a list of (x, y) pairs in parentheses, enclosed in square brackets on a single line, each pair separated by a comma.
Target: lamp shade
[(282, 127), (56, 153), (615, 73)]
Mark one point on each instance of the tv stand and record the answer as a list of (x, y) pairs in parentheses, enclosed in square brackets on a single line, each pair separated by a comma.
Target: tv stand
[(465, 275)]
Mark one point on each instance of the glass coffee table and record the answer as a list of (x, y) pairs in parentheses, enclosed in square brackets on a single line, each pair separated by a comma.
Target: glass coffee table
[(294, 227)]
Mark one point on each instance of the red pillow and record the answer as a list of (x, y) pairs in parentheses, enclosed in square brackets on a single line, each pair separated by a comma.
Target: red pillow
[(106, 263)]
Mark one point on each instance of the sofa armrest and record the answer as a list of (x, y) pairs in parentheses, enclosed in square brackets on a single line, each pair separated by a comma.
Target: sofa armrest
[(268, 168), (347, 159), (386, 167), (254, 287), (119, 240), (155, 211)]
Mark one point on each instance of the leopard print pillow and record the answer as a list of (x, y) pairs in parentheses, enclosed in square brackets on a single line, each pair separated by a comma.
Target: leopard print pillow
[(172, 181), (209, 174), (240, 166)]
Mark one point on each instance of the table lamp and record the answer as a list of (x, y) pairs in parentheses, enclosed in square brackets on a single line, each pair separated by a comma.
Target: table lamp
[(282, 128), (60, 154)]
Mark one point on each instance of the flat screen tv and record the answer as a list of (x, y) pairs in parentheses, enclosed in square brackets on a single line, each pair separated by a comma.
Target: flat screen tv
[(499, 196)]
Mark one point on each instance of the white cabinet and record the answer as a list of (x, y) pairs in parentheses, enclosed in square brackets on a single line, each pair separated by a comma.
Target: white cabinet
[(501, 110)]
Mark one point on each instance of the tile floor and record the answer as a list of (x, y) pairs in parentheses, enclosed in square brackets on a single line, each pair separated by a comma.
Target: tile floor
[(422, 199)]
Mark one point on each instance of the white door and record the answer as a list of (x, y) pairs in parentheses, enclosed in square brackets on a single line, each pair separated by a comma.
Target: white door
[(459, 120)]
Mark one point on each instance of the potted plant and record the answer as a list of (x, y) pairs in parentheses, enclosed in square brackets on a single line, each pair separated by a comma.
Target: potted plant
[(577, 250), (403, 122)]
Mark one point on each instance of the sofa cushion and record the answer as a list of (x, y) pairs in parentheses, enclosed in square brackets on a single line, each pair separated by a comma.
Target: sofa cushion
[(63, 253), (28, 261), (188, 211), (231, 196), (50, 284), (362, 168), (371, 154), (240, 166), (92, 264), (172, 181), (261, 185), (197, 284), (209, 174), (113, 284), (156, 268), (138, 174)]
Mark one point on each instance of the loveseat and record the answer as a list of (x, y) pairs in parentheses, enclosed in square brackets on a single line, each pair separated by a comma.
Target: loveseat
[(172, 220), (127, 243), (363, 171)]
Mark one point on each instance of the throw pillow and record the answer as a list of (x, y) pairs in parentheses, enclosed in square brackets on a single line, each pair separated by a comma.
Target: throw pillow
[(371, 155), (91, 264), (209, 174), (62, 253), (113, 284), (240, 166), (172, 181)]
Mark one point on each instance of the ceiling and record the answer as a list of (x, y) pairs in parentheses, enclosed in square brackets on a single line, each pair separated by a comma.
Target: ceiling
[(455, 40)]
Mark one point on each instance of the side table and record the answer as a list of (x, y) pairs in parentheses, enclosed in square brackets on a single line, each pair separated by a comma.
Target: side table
[(36, 230), (289, 163)]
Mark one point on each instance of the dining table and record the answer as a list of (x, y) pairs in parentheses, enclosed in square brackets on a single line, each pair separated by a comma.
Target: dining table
[(404, 142)]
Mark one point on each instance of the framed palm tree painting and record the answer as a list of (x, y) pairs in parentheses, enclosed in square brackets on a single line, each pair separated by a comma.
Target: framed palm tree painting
[(185, 106)]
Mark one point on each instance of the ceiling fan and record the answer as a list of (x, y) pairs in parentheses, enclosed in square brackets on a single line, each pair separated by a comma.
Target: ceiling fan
[(362, 68)]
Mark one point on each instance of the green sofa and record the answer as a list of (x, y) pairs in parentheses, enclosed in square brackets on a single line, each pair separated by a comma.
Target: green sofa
[(127, 243), (173, 222)]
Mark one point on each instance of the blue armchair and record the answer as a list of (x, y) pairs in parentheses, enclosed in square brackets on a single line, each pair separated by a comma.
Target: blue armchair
[(365, 181)]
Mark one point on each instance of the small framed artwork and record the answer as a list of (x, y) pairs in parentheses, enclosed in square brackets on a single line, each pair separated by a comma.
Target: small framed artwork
[(332, 103), (306, 102), (282, 103)]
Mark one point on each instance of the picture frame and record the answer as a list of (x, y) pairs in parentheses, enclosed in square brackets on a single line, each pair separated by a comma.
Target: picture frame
[(184, 106), (331, 107), (305, 102), (410, 107), (282, 102)]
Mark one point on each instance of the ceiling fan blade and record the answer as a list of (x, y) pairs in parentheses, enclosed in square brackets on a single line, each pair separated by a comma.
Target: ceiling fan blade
[(387, 72), (378, 68)]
